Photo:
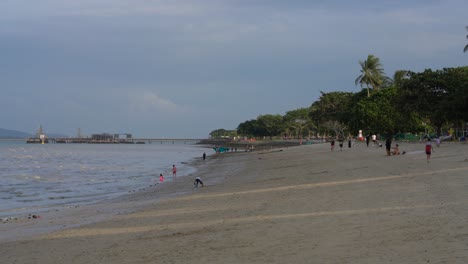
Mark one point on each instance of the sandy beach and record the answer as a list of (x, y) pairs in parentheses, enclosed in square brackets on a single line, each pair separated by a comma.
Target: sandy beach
[(302, 204)]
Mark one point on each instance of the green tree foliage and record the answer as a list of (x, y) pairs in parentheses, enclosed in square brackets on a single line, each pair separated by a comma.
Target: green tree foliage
[(298, 114), (400, 77), (458, 81), (372, 74), (439, 96), (297, 123), (332, 106), (220, 133), (249, 128), (407, 104), (381, 113), (336, 128), (270, 125)]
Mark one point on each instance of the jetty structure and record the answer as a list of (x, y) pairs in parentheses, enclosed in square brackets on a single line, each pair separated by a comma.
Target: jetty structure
[(40, 137), (218, 144), (123, 138), (103, 138), (117, 138)]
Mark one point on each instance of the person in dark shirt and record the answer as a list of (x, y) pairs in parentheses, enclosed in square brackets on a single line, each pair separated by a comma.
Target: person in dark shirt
[(388, 144)]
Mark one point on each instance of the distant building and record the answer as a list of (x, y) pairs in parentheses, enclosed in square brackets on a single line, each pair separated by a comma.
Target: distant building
[(111, 138), (102, 137)]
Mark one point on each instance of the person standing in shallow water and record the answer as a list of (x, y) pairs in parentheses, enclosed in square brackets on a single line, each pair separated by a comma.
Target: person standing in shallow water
[(161, 178), (174, 170), (204, 156)]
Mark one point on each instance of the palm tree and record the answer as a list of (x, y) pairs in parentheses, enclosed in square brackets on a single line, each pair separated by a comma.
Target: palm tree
[(372, 74), (466, 47), (400, 76)]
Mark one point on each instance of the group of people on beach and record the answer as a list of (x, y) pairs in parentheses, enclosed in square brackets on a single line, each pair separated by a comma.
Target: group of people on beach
[(196, 182), (340, 142), (391, 151), (396, 151), (174, 173)]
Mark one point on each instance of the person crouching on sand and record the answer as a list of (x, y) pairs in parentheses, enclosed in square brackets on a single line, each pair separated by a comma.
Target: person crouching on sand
[(396, 150), (161, 178), (197, 181)]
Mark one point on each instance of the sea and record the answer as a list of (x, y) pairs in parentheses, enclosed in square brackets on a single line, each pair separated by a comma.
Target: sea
[(41, 177)]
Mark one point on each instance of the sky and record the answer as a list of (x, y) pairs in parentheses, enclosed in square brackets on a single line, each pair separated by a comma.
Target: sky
[(182, 68)]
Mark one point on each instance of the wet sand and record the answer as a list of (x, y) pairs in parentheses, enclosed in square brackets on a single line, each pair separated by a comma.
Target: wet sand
[(293, 205)]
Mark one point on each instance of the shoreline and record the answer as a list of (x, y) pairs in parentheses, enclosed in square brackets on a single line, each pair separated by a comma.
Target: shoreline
[(288, 205), (56, 218), (35, 183)]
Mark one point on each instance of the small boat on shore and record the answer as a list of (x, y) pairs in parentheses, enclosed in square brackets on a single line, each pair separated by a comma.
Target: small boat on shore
[(221, 149)]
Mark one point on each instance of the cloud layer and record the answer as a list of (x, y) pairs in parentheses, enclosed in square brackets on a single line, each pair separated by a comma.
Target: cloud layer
[(184, 68)]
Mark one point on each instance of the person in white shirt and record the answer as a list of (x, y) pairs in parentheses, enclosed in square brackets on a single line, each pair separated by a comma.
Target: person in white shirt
[(197, 181)]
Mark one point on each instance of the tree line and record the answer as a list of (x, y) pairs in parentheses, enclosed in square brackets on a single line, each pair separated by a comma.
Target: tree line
[(432, 100)]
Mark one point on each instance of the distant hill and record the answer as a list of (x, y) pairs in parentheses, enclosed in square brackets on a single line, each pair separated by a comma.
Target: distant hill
[(6, 133)]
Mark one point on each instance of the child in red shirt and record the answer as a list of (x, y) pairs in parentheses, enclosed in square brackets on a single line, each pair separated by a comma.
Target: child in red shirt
[(429, 149)]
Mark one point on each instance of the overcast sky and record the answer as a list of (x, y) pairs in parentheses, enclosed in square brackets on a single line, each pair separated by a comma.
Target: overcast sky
[(182, 68)]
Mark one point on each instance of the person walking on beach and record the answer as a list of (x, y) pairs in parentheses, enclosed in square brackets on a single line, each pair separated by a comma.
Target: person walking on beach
[(174, 170), (197, 181), (429, 150), (367, 140), (161, 178), (340, 141), (332, 144), (204, 156)]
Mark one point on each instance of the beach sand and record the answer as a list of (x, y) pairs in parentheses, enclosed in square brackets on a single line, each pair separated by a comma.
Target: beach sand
[(301, 204)]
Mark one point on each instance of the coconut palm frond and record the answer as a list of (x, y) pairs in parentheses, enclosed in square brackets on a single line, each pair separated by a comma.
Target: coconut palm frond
[(466, 47)]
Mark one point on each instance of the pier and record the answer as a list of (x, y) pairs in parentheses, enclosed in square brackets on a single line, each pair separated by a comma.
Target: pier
[(125, 141), (107, 138)]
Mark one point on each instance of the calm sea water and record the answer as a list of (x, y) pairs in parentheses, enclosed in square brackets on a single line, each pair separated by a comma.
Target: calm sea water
[(36, 177)]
